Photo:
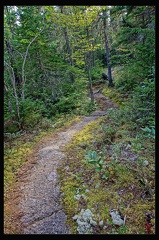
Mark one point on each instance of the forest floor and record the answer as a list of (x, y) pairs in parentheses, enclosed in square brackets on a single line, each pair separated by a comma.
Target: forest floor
[(38, 203), (36, 198)]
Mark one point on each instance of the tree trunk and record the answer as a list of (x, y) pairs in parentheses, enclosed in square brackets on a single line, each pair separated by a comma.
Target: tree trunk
[(8, 100), (69, 53), (23, 66), (90, 85), (88, 66), (107, 51), (12, 77), (11, 56), (68, 49)]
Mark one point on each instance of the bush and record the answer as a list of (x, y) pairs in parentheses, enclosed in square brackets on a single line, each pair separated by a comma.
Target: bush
[(144, 101), (127, 78), (96, 73), (31, 112)]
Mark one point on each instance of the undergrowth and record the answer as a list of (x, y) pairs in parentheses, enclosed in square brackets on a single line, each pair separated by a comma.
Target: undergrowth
[(119, 172), (111, 161)]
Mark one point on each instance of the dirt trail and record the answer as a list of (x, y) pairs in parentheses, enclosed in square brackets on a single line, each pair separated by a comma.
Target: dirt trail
[(40, 197)]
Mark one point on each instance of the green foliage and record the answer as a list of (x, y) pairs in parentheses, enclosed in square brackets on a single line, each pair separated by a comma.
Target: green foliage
[(48, 71), (128, 77), (144, 101), (149, 132), (139, 106), (50, 95), (96, 73), (31, 113), (65, 105), (133, 48), (93, 158), (118, 183), (122, 230)]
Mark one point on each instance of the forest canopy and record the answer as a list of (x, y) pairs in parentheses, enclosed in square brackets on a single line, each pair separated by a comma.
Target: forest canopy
[(53, 55)]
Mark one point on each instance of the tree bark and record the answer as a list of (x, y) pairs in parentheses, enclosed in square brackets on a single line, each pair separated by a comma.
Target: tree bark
[(68, 49), (69, 53), (10, 51), (23, 66), (7, 97), (12, 77), (90, 85), (107, 51), (88, 67)]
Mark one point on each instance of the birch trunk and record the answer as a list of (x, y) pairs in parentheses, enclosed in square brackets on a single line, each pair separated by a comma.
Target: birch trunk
[(12, 77), (23, 66)]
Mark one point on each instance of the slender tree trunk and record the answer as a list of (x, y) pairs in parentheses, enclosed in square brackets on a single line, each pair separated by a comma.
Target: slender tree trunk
[(88, 66), (42, 77), (69, 53), (8, 100), (90, 85), (12, 77), (107, 51), (23, 66), (11, 56), (68, 49)]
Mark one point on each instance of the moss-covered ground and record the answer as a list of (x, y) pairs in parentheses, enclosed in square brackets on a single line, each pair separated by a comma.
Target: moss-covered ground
[(125, 180), (18, 155)]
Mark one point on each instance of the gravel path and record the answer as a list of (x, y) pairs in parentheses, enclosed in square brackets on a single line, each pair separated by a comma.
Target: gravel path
[(40, 197), (41, 206)]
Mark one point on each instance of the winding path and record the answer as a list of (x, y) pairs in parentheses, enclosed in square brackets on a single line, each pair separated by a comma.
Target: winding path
[(40, 202)]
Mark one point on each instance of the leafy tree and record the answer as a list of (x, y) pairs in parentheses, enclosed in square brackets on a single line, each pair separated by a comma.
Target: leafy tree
[(52, 54), (133, 49)]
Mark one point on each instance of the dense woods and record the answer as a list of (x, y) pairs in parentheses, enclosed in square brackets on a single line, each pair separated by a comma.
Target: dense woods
[(52, 54), (54, 57)]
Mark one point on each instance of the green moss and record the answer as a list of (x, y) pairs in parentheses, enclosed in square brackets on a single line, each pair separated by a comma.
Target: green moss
[(13, 159), (85, 135), (20, 150), (123, 177), (114, 95)]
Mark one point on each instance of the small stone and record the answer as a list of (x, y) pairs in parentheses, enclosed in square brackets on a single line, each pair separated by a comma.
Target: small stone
[(92, 222), (84, 221), (104, 227), (87, 215), (67, 167), (82, 211), (87, 190), (128, 147), (145, 163), (153, 169), (97, 186), (101, 223), (116, 218), (75, 217), (80, 222), (78, 190), (78, 196)]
